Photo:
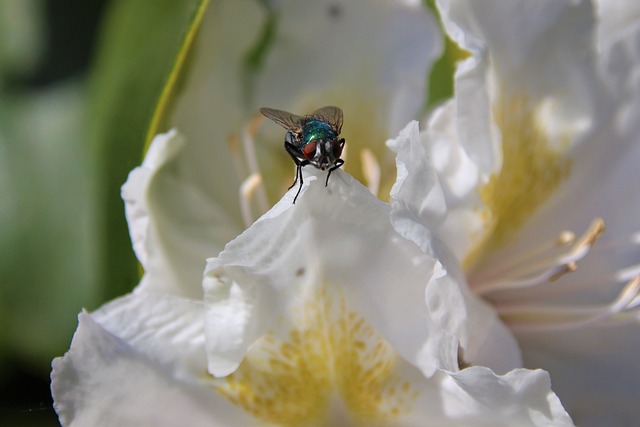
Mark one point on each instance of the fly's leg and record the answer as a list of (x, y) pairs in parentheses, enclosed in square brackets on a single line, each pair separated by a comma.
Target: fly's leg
[(295, 154), (336, 165), (298, 172)]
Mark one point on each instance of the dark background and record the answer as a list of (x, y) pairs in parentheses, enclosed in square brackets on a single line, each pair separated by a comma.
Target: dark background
[(72, 27)]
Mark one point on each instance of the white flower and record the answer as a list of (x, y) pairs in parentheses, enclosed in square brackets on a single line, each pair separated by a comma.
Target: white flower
[(523, 169), (352, 54), (319, 314)]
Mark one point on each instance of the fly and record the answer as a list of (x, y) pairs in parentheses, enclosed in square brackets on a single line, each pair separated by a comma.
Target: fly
[(312, 139)]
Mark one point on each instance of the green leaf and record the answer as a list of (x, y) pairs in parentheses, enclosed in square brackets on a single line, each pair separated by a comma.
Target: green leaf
[(144, 48), (441, 78)]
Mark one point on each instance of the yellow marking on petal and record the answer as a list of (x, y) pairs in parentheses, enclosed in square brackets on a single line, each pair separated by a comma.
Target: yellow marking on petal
[(330, 356), (532, 169)]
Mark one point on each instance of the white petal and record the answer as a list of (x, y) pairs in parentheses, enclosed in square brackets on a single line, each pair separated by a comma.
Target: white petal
[(210, 105), (238, 313), (102, 381), (588, 366), (338, 236), (521, 397), (476, 397), (172, 222), (162, 149), (615, 17), (167, 328), (541, 50), (368, 57), (603, 176), (416, 189), (330, 364), (417, 208), (459, 178)]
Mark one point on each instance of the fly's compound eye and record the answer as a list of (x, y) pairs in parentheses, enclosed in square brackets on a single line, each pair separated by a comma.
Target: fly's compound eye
[(309, 151), (336, 149)]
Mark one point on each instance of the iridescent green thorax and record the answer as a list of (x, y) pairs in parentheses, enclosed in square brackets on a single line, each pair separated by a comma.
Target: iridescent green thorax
[(315, 130)]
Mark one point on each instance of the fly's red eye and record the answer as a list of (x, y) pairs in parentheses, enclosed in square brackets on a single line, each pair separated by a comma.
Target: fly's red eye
[(309, 150)]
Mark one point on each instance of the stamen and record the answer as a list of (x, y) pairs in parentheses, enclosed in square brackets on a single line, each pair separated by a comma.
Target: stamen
[(247, 191), (566, 268), (536, 259), (535, 318), (588, 239), (236, 155), (550, 275), (539, 267), (565, 238), (370, 170), (248, 143), (627, 273)]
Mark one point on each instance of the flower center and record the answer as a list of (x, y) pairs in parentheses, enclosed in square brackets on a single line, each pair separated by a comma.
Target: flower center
[(330, 369), (532, 169), (525, 287)]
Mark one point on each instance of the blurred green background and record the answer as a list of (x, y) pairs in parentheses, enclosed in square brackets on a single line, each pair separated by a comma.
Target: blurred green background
[(79, 86), (48, 198)]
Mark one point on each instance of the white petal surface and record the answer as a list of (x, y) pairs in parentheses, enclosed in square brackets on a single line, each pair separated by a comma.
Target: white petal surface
[(417, 189), (163, 327), (541, 50), (614, 17), (604, 172), (458, 176), (335, 236), (104, 382), (546, 51), (604, 186), (332, 368), (477, 397), (417, 207), (171, 247), (368, 57)]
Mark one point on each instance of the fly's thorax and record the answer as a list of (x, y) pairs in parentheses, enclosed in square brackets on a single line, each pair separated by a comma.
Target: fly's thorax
[(316, 130)]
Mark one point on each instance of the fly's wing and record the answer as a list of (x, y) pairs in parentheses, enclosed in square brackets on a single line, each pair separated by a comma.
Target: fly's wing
[(289, 121), (331, 115)]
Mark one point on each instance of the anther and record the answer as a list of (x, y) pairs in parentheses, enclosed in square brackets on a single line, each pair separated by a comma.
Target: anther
[(565, 238), (247, 192), (536, 269), (370, 170), (236, 154), (248, 143)]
